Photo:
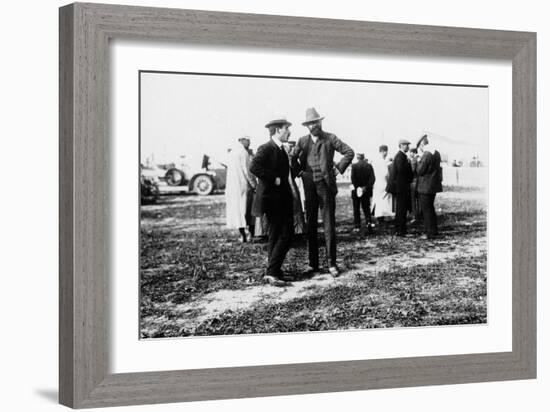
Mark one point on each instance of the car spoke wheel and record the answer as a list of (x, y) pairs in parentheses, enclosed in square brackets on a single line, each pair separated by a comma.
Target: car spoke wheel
[(203, 185), (174, 177)]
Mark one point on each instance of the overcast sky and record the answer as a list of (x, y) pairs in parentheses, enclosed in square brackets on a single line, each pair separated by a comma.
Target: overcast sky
[(189, 115)]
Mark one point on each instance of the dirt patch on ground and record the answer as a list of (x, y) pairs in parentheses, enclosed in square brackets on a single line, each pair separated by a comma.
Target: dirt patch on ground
[(189, 315), (196, 278)]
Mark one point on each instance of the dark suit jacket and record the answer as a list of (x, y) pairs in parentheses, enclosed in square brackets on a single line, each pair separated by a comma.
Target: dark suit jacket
[(430, 173), (269, 163), (401, 174), (330, 144), (362, 175)]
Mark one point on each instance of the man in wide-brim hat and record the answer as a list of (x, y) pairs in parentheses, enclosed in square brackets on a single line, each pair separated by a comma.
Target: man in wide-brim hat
[(274, 197), (313, 160)]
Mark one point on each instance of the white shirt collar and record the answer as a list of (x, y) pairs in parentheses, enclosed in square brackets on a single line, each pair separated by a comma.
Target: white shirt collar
[(277, 142), (314, 138)]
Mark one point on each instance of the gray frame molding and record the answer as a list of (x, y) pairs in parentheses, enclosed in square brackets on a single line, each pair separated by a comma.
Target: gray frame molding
[(85, 30)]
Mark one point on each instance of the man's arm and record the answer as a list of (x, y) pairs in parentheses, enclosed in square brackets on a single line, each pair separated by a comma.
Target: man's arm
[(354, 176), (346, 151), (244, 160), (390, 185), (257, 166), (371, 178)]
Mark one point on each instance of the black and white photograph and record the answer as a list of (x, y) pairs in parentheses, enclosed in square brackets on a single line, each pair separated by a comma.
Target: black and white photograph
[(282, 205)]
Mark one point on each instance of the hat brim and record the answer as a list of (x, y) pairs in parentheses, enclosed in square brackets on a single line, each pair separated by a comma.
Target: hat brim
[(312, 121), (278, 123), (420, 140)]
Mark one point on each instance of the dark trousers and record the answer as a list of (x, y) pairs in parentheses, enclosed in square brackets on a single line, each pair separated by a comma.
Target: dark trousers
[(428, 212), (280, 230), (359, 203), (250, 220), (402, 206), (416, 210), (318, 194)]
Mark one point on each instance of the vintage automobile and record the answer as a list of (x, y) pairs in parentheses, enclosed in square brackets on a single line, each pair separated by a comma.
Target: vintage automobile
[(202, 177)]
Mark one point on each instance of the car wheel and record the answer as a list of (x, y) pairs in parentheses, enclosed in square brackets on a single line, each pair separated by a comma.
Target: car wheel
[(174, 177), (203, 185)]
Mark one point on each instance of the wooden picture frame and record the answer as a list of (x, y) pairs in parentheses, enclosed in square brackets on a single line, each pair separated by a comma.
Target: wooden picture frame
[(85, 31)]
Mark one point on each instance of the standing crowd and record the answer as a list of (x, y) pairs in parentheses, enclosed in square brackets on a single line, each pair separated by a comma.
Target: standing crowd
[(267, 193)]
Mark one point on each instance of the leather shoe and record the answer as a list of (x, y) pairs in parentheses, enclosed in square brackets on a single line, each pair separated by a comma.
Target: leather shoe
[(285, 277), (311, 272), (272, 280)]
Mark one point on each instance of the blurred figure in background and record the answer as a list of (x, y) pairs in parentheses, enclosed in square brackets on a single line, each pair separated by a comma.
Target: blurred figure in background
[(430, 178), (399, 183), (381, 200), (416, 211), (239, 189), (362, 180)]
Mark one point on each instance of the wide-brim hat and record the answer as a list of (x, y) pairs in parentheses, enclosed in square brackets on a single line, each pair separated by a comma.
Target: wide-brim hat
[(312, 116), (424, 136), (278, 122)]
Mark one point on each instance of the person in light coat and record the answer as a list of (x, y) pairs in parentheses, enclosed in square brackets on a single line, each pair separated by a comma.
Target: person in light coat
[(381, 200), (239, 185)]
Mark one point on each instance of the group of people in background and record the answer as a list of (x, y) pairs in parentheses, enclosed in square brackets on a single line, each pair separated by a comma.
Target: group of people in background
[(268, 193)]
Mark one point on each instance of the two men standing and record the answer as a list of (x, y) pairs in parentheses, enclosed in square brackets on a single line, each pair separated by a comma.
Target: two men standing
[(428, 174), (313, 160)]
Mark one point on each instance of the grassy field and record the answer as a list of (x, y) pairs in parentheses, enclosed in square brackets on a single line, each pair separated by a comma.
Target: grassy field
[(197, 279)]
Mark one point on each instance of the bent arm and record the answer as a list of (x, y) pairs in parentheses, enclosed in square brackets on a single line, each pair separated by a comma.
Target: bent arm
[(244, 160), (371, 179), (346, 151)]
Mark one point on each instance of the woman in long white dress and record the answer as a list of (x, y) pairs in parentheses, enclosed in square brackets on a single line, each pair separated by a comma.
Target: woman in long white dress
[(381, 200), (238, 184)]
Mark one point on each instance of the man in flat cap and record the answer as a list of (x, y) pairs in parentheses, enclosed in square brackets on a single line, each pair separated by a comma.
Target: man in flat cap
[(429, 183), (362, 180), (399, 184), (274, 197), (313, 160)]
